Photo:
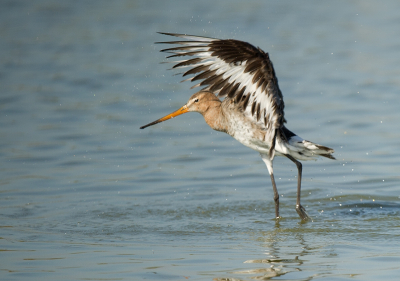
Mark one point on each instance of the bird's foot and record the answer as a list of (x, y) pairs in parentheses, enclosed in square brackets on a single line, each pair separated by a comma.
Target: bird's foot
[(302, 212)]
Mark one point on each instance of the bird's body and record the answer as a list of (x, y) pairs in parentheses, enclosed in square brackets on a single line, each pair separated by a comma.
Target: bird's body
[(252, 111)]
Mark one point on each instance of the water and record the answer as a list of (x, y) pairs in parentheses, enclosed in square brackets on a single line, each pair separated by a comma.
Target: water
[(86, 195)]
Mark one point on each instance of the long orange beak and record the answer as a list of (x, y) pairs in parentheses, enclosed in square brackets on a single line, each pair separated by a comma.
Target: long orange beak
[(180, 111)]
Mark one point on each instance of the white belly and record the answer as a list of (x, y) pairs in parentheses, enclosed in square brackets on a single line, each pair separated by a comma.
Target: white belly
[(248, 134)]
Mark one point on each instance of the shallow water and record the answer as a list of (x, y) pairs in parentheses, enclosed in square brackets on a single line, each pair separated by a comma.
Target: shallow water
[(86, 195)]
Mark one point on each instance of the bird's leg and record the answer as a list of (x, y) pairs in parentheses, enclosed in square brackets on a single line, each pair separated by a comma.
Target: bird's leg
[(268, 162), (300, 209), (276, 196)]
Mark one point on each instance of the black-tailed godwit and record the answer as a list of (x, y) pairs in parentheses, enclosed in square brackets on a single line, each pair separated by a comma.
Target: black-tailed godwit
[(252, 110)]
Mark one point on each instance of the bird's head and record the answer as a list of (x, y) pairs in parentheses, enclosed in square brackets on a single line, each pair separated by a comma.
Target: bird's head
[(198, 102)]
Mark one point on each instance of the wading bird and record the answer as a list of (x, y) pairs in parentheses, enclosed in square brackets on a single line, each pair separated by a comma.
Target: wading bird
[(252, 110)]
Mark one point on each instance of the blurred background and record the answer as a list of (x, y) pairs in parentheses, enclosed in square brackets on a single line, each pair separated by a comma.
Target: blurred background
[(87, 195)]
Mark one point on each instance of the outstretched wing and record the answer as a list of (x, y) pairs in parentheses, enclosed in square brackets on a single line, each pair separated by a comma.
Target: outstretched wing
[(234, 70)]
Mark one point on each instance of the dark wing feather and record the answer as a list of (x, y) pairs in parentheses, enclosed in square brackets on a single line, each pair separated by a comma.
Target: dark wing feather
[(235, 70)]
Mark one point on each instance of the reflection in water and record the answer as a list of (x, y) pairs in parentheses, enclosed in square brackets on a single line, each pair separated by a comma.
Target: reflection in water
[(277, 244), (275, 269)]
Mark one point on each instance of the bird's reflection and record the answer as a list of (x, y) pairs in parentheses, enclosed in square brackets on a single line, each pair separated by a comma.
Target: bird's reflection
[(277, 260)]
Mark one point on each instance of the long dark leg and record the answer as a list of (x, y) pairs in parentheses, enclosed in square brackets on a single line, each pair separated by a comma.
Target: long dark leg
[(276, 196), (268, 162), (300, 209)]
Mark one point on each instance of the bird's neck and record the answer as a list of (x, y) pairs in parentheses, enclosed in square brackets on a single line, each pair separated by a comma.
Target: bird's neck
[(215, 118)]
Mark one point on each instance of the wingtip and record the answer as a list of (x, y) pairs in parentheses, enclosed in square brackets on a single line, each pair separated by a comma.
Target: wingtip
[(165, 33), (187, 36), (171, 34)]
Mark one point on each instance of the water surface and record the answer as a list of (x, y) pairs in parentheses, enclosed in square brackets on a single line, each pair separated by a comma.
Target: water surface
[(86, 195)]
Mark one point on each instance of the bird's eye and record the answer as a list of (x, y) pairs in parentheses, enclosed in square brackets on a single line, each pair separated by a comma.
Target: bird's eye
[(196, 100)]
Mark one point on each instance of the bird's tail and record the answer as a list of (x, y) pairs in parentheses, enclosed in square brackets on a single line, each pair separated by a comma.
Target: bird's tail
[(319, 150), (301, 149), (307, 150)]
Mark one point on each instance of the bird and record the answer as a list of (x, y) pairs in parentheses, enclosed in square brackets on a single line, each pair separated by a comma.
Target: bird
[(241, 97)]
